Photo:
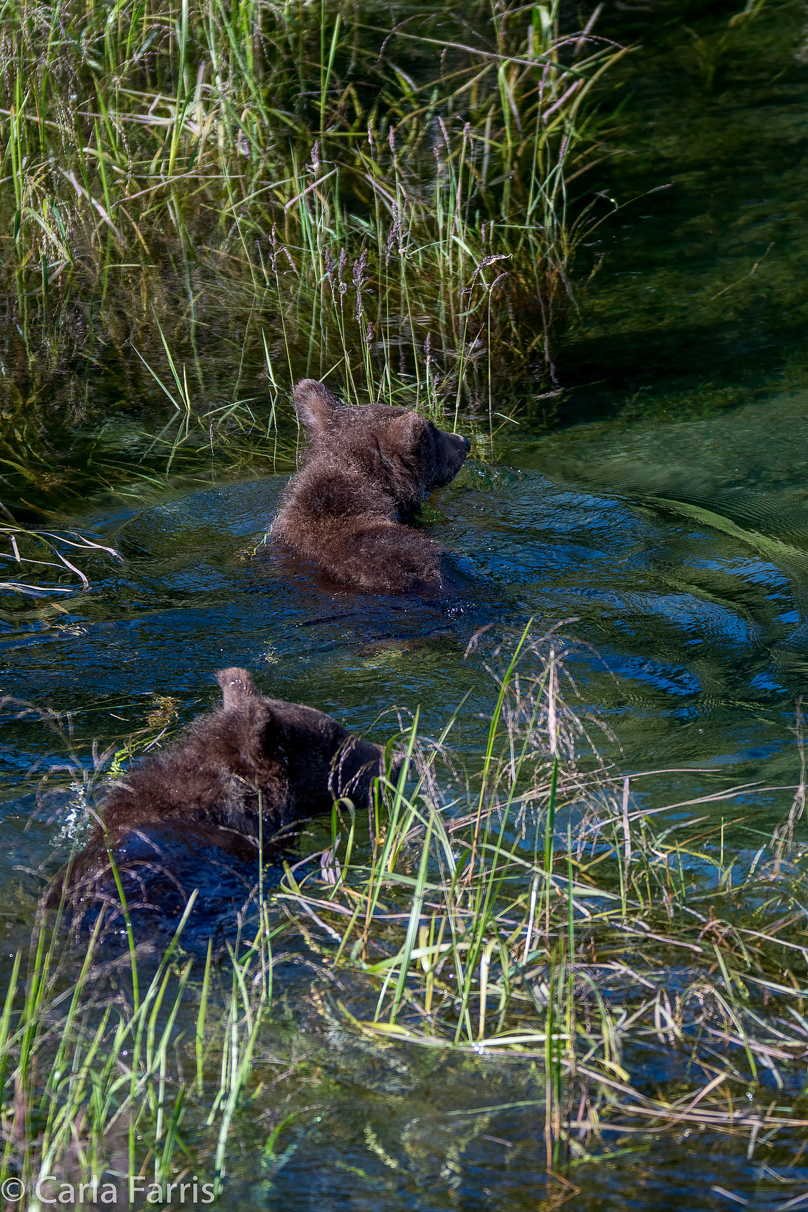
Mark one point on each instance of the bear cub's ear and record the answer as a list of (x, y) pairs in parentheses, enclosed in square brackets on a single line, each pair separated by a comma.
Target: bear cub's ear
[(237, 688), (409, 427), (257, 734), (315, 405)]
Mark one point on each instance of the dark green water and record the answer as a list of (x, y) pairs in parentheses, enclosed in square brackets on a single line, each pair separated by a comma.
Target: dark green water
[(667, 513)]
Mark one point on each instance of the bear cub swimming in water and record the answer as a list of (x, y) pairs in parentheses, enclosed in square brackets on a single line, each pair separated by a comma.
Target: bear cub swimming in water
[(368, 469), (243, 772)]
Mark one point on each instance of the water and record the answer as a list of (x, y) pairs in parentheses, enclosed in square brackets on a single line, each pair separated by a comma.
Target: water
[(667, 515)]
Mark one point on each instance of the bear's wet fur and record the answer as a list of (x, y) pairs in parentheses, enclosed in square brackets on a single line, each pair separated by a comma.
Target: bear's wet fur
[(196, 812), (368, 469)]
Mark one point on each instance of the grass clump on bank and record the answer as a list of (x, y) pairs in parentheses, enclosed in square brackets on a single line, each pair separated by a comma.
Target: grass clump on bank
[(202, 202)]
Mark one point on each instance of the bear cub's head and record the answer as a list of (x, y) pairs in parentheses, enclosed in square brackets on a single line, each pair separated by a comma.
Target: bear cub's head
[(401, 451)]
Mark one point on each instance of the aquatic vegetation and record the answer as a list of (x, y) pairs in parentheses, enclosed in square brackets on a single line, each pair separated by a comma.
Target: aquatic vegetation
[(26, 546), (710, 51), (540, 912)]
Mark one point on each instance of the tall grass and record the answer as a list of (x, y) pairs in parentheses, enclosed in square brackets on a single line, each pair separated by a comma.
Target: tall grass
[(392, 198), (102, 1070), (541, 912)]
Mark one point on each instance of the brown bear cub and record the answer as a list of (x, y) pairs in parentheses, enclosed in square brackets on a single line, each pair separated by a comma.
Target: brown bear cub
[(239, 774), (368, 469)]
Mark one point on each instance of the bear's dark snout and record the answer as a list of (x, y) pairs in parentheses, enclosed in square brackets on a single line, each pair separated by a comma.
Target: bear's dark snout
[(452, 451), (356, 766)]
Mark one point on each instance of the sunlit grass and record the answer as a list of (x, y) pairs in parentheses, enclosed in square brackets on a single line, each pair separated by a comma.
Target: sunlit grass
[(99, 1074)]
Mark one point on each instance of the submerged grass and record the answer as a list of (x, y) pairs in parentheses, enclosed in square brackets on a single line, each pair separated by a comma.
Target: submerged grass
[(28, 546), (203, 201)]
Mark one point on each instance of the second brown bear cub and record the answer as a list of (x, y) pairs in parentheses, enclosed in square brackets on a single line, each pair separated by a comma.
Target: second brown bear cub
[(368, 469), (236, 776)]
